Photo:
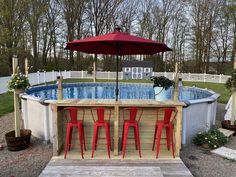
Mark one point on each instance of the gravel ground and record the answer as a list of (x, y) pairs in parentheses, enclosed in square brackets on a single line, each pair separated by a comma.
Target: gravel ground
[(202, 163), (25, 163), (30, 162)]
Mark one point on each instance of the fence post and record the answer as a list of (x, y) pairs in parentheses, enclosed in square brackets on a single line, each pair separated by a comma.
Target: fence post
[(204, 77), (173, 76), (70, 74), (38, 77), (44, 77), (82, 74), (165, 74), (220, 78), (52, 75), (108, 75), (189, 76), (121, 75), (64, 75)]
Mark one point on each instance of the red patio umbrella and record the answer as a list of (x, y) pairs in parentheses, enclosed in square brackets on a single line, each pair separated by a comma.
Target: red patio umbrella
[(117, 43)]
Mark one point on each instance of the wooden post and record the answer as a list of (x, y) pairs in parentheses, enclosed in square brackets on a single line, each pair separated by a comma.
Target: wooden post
[(55, 130), (116, 129), (95, 68), (26, 67), (178, 130), (175, 94), (232, 120), (59, 87), (16, 100)]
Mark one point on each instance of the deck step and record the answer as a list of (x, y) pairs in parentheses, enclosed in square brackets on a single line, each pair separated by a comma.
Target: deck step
[(227, 133), (101, 171), (225, 152), (118, 168)]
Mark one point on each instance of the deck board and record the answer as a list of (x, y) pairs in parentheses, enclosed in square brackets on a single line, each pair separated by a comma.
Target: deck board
[(120, 167)]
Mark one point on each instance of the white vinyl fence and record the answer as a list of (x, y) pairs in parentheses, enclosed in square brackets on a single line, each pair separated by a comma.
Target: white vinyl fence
[(43, 77)]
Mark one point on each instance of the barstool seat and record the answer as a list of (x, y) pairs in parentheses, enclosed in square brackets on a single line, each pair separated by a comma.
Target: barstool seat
[(167, 123), (74, 122), (101, 122), (131, 122)]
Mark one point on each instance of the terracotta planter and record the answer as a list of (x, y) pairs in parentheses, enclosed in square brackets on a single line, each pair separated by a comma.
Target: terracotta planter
[(18, 143), (226, 124)]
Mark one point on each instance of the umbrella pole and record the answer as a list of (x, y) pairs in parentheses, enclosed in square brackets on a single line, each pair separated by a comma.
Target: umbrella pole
[(117, 90)]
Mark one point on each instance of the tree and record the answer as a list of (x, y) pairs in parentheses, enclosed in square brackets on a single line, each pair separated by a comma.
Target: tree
[(12, 25)]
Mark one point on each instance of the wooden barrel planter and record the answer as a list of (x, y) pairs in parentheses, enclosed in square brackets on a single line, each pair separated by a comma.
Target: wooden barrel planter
[(226, 124), (18, 143)]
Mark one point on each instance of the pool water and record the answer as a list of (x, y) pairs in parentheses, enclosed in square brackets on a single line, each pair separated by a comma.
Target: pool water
[(107, 91)]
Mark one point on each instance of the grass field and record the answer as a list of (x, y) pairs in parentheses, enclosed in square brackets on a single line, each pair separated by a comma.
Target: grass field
[(6, 100), (6, 103)]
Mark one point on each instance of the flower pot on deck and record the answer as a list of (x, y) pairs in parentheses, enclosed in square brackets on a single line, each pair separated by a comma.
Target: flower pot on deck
[(226, 124), (18, 143), (160, 94)]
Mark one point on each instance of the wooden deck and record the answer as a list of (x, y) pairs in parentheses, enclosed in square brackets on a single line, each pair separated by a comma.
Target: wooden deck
[(116, 168), (147, 123)]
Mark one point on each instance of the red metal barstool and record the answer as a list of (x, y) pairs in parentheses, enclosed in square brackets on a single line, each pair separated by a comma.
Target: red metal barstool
[(131, 122), (101, 122), (74, 122), (167, 123)]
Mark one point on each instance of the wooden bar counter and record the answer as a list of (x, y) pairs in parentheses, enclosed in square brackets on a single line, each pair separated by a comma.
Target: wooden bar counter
[(147, 122)]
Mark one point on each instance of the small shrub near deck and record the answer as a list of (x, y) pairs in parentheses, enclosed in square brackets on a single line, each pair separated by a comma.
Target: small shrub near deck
[(213, 138)]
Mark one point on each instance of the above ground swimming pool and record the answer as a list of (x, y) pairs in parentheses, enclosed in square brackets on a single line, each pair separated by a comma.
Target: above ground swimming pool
[(198, 115), (107, 91)]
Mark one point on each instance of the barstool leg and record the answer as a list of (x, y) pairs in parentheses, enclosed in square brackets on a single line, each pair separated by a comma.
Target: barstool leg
[(168, 138), (135, 138), (126, 129), (94, 139), (159, 130), (70, 138), (109, 136), (84, 143), (67, 139), (80, 134), (172, 141), (154, 139), (122, 138), (138, 139), (107, 139)]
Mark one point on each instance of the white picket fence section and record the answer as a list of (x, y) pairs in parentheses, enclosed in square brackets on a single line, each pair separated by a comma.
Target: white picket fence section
[(43, 77)]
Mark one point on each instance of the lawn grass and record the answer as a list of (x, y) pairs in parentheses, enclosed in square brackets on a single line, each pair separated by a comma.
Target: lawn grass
[(216, 87), (6, 99), (6, 103)]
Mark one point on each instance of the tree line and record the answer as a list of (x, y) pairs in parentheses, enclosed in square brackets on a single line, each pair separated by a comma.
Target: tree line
[(202, 33)]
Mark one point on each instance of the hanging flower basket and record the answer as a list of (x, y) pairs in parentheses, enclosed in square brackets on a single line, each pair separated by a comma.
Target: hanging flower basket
[(18, 82), (18, 143)]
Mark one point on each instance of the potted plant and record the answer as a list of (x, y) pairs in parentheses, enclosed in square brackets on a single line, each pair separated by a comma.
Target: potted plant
[(231, 85), (18, 139), (161, 86), (210, 139)]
